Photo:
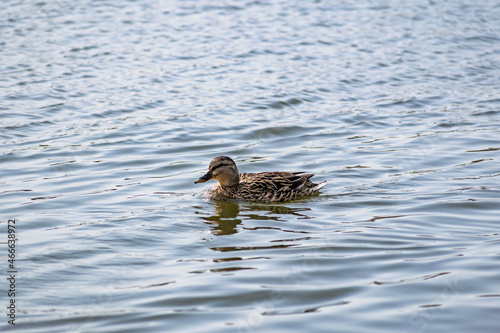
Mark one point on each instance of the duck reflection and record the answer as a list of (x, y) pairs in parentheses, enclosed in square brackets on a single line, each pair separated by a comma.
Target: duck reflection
[(225, 219), (228, 215)]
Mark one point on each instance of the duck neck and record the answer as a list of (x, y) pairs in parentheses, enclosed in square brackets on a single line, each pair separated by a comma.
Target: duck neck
[(232, 181)]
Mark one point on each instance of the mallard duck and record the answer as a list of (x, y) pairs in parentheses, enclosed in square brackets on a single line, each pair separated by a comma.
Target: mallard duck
[(273, 186)]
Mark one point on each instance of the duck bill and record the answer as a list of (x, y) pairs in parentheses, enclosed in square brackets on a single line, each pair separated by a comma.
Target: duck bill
[(204, 178)]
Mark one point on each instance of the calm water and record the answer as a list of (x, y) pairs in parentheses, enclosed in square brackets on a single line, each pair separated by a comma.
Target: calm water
[(109, 110)]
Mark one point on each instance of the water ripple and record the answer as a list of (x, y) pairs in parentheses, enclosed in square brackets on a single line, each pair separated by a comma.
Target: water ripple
[(110, 111)]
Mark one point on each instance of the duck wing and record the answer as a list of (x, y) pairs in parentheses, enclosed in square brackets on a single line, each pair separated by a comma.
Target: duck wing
[(297, 181), (275, 186), (277, 179)]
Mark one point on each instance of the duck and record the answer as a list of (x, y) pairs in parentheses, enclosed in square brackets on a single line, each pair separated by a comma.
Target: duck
[(274, 186)]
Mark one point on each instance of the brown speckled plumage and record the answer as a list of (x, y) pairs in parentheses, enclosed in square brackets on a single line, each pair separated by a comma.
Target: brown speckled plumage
[(273, 186)]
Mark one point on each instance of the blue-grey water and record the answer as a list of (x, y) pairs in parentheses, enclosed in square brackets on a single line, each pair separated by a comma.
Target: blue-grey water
[(109, 110)]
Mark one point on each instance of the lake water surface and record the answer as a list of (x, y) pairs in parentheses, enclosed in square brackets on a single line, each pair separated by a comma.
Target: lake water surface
[(109, 110)]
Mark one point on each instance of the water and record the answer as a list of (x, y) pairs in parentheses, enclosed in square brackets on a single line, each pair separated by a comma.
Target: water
[(110, 110)]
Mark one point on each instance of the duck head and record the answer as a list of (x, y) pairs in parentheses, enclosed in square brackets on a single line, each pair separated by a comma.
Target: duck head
[(224, 170)]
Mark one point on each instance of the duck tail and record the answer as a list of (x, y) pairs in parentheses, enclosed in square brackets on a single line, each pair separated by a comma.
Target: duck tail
[(319, 186)]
